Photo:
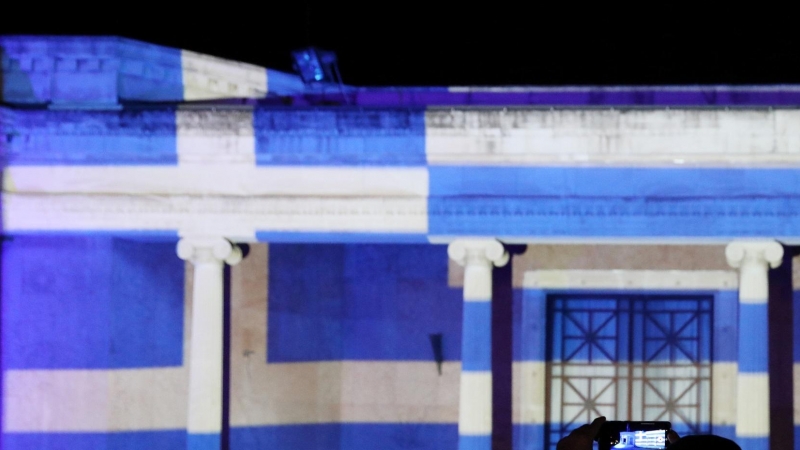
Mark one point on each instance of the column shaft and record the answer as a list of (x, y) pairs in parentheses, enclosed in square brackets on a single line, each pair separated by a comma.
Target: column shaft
[(204, 422), (204, 419), (753, 258), (475, 395)]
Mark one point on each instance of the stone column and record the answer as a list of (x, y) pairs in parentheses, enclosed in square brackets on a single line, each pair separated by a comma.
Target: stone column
[(478, 256), (208, 255), (753, 258)]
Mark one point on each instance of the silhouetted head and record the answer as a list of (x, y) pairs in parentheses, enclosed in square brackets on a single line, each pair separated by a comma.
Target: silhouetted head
[(704, 442)]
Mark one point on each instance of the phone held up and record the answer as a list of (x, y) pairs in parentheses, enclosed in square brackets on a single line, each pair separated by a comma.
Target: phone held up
[(621, 434)]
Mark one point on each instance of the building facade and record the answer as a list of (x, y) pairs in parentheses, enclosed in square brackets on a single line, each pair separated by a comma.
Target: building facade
[(201, 253)]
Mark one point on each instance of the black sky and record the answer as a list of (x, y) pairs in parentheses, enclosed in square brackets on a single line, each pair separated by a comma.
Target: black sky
[(397, 44)]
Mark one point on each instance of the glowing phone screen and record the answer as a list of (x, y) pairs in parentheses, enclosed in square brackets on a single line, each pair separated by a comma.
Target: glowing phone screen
[(654, 439)]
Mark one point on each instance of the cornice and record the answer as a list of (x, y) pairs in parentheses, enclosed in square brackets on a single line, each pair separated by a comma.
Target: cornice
[(130, 122), (659, 137), (632, 279), (212, 215), (82, 71)]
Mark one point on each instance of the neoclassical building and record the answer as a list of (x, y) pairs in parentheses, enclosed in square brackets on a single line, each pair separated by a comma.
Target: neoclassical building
[(200, 253)]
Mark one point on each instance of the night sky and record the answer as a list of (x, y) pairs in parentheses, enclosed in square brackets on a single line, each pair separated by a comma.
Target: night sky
[(403, 45)]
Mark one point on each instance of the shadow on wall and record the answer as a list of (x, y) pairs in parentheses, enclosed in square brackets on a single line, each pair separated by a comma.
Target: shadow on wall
[(502, 351), (781, 357)]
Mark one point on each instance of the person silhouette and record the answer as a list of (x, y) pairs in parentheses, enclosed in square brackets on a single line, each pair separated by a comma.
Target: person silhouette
[(582, 438)]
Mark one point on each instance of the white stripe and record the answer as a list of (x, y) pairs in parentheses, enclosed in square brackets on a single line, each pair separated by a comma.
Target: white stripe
[(214, 215), (752, 415), (478, 282), (796, 392), (529, 391), (724, 388), (206, 359), (207, 77), (475, 408), (262, 394), (95, 400), (631, 279), (653, 137), (796, 273), (754, 284), (208, 137), (235, 179)]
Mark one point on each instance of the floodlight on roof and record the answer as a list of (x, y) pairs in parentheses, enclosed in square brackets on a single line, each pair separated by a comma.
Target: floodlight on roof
[(316, 66)]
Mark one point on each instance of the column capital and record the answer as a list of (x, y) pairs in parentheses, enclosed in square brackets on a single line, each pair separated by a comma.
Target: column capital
[(759, 251), (209, 249), (480, 251)]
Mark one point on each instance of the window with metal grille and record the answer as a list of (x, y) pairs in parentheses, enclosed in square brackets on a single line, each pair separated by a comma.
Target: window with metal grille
[(629, 357)]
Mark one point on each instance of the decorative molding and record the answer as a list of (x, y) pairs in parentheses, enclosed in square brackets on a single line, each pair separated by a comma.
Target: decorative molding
[(200, 250), (632, 279), (228, 177), (614, 217), (760, 252), (754, 258), (478, 251), (103, 70), (675, 138), (226, 216), (158, 121), (341, 136), (653, 137)]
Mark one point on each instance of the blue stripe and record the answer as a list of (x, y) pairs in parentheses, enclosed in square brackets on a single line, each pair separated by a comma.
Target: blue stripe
[(797, 437), (131, 440), (31, 75), (81, 302), (341, 136), (148, 72), (361, 302), (476, 337), (204, 441), (349, 436), (614, 217), (584, 96), (140, 137), (282, 83), (592, 182), (528, 436), (124, 70), (753, 443), (726, 326), (753, 338), (554, 201), (726, 431), (475, 442), (532, 330), (341, 237)]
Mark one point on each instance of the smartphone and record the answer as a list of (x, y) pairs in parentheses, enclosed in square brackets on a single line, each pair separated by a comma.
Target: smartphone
[(620, 434)]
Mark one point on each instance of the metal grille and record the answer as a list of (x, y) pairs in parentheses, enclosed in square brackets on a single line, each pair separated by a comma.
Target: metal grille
[(629, 357)]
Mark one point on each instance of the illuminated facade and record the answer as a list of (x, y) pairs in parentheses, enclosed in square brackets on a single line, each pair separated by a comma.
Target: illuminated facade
[(199, 251)]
